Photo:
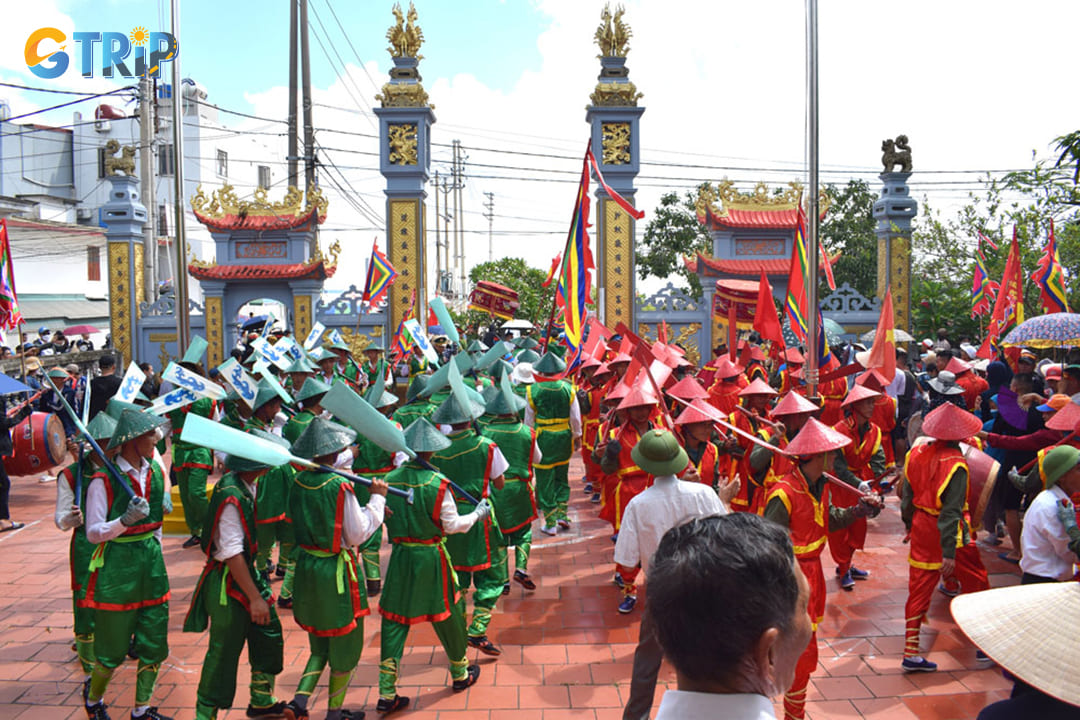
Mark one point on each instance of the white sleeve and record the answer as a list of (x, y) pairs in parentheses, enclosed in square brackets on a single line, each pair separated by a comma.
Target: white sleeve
[(344, 460), (713, 504), (453, 523), (98, 529), (627, 552), (538, 455), (499, 465), (400, 459), (575, 416), (229, 534), (530, 416), (360, 523), (65, 498)]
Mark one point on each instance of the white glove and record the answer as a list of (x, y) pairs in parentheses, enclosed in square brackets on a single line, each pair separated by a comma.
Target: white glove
[(74, 518), (166, 504), (137, 510), (864, 488), (483, 509)]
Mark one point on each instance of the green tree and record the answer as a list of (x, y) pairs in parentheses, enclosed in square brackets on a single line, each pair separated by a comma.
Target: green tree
[(848, 228), (672, 234)]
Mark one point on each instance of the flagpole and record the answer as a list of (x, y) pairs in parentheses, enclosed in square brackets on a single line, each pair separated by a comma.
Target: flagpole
[(813, 215), (566, 252)]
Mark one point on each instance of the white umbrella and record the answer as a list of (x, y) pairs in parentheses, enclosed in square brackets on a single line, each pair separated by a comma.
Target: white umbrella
[(898, 336), (517, 324)]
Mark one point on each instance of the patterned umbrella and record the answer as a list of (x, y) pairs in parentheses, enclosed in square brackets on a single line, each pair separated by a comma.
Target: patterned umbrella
[(898, 336), (833, 331), (1046, 331)]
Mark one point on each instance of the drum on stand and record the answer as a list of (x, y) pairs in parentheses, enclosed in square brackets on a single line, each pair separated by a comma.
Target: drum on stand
[(39, 445)]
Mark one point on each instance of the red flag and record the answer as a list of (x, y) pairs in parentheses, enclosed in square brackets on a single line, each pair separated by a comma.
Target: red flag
[(1009, 305), (10, 317), (662, 332), (828, 266), (883, 351), (1050, 278), (555, 265), (766, 321)]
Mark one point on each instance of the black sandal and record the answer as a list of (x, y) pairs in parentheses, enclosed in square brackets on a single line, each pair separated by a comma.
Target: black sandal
[(484, 645), (469, 680), (385, 707)]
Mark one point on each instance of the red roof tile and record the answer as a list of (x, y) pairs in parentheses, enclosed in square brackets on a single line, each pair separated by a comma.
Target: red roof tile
[(760, 219), (259, 222), (296, 271), (753, 267)]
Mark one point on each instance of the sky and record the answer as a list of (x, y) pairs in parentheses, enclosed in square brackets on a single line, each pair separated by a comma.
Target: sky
[(976, 85)]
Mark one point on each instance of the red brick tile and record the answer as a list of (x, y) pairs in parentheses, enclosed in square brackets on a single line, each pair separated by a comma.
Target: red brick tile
[(884, 709), (594, 696), (544, 696), (838, 688), (889, 686), (492, 697)]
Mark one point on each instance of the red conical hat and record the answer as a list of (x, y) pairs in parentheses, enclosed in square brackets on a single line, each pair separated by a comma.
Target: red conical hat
[(873, 380), (601, 370), (1066, 418), (957, 366), (950, 423), (758, 387), (727, 369), (792, 356), (638, 396), (794, 404), (816, 437), (588, 363), (689, 388), (620, 358), (617, 393), (695, 413), (857, 393)]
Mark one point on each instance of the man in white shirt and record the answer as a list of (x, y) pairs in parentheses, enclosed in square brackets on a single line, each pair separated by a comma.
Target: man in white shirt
[(728, 664), (670, 502), (1050, 538)]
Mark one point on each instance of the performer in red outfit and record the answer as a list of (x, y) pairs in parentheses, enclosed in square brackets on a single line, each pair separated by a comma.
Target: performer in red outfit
[(973, 385), (861, 462), (801, 501), (884, 413), (755, 398), (833, 392), (593, 388), (934, 508), (793, 360), (724, 393), (792, 412), (613, 454)]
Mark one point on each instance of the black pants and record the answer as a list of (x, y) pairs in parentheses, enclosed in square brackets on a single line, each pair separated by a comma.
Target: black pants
[(647, 659), (1029, 579), (5, 489)]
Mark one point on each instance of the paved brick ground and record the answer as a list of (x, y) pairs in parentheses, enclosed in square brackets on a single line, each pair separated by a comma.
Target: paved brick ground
[(567, 653)]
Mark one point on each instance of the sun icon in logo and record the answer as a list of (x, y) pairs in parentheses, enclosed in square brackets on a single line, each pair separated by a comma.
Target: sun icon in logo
[(139, 36)]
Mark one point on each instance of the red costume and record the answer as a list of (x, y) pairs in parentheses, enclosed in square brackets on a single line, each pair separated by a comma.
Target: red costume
[(724, 395), (865, 444), (832, 392), (621, 486)]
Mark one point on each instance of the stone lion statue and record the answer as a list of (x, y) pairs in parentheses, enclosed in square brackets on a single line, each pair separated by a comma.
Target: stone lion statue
[(113, 165), (896, 152)]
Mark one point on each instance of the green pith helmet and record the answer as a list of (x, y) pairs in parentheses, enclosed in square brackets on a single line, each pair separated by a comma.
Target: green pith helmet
[(476, 347), (301, 365), (416, 387), (313, 387), (527, 342), (550, 364), (133, 424), (58, 373), (264, 394), (1059, 461), (101, 427), (195, 351), (450, 412), (388, 398), (527, 356), (116, 408), (422, 436), (235, 463), (658, 453), (323, 437)]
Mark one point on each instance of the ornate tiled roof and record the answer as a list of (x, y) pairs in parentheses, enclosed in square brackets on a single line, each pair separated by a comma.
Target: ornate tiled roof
[(316, 270), (752, 267), (760, 209), (224, 211)]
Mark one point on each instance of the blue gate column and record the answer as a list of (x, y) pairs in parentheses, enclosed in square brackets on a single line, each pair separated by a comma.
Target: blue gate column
[(124, 216), (405, 120), (894, 211), (613, 113)]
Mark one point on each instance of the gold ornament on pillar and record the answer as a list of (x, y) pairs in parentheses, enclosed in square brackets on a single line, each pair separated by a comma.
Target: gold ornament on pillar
[(121, 315), (214, 332), (405, 254)]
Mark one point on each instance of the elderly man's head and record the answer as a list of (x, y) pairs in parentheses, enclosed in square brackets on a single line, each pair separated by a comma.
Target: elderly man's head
[(729, 603)]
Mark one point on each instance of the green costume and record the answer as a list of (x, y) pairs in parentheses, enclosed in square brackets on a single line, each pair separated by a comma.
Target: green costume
[(79, 552), (271, 523), (296, 425), (219, 602), (550, 402), (478, 554), (418, 365), (192, 465), (515, 504), (371, 462)]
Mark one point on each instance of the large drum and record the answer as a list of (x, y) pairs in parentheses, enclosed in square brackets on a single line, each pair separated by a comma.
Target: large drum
[(982, 474), (39, 445)]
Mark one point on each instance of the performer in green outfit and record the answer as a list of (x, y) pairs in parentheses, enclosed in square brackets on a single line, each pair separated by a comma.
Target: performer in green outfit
[(270, 521), (372, 355), (421, 585), (69, 516), (553, 410), (234, 600), (515, 503), (373, 462), (476, 464), (415, 406), (192, 464), (299, 372), (309, 397), (418, 364), (128, 587), (346, 367), (329, 601)]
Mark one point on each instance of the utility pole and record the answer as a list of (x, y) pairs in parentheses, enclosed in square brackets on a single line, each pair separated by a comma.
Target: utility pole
[(447, 188), (294, 151), (146, 176), (459, 218), (438, 250), (490, 215), (183, 313), (309, 130)]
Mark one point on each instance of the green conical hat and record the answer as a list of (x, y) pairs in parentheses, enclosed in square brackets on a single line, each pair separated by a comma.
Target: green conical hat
[(549, 364), (302, 365), (476, 347), (527, 342), (374, 345), (559, 350), (133, 424), (58, 373), (336, 346), (101, 427), (500, 368), (488, 393), (318, 355), (504, 401), (451, 413), (235, 463), (388, 398), (416, 387), (323, 437), (264, 394), (312, 387), (195, 350), (527, 356), (422, 436), (116, 408)]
